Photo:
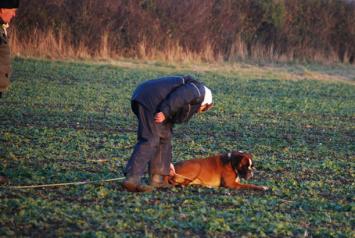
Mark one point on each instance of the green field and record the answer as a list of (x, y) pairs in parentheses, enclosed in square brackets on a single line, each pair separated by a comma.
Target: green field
[(69, 121)]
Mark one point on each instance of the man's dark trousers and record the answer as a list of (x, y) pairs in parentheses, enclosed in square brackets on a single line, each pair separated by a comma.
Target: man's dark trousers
[(153, 146)]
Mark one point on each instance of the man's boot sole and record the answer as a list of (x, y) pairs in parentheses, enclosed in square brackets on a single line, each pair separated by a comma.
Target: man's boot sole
[(134, 187)]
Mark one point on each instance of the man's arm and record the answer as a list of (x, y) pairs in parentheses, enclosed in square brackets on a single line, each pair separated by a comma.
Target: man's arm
[(182, 96)]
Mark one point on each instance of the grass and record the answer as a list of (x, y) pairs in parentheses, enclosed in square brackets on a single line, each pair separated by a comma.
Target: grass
[(69, 121)]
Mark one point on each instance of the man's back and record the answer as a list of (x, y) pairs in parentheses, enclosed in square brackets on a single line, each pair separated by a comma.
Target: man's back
[(152, 92)]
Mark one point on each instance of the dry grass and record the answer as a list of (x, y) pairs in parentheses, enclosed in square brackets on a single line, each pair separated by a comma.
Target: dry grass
[(58, 45), (48, 45)]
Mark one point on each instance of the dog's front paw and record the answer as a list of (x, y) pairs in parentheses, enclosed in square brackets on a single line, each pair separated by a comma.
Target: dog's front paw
[(264, 188)]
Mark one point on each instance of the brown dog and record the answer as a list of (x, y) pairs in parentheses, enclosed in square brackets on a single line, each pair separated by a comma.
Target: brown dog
[(216, 171)]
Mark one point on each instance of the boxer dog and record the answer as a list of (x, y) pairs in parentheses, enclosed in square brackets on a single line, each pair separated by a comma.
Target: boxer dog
[(216, 171)]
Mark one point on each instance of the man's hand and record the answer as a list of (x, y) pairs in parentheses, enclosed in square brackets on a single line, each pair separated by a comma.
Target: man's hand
[(159, 117), (172, 170)]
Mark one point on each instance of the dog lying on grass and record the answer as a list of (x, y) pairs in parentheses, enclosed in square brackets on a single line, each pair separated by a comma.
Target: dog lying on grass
[(216, 171)]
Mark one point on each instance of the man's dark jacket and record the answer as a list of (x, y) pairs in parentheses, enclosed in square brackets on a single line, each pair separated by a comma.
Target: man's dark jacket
[(178, 97)]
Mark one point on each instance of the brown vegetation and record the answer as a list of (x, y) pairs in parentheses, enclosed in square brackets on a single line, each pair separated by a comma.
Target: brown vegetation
[(187, 30)]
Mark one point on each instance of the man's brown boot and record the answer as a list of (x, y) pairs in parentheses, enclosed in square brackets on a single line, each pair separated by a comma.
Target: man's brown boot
[(132, 184), (160, 181)]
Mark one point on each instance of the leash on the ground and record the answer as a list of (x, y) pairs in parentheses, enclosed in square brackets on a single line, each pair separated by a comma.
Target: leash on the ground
[(62, 184), (74, 183)]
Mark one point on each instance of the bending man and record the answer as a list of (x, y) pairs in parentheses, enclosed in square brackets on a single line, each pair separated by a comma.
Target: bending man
[(158, 105)]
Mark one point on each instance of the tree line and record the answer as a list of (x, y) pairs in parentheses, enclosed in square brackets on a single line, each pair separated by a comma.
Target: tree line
[(321, 30)]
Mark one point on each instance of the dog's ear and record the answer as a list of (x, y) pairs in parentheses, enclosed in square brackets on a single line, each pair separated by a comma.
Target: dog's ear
[(235, 159), (226, 158)]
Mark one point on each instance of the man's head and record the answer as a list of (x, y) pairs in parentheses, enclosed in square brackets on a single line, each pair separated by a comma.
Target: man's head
[(8, 9), (207, 100)]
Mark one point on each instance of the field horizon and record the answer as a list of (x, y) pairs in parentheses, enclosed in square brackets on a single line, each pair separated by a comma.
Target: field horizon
[(70, 121)]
